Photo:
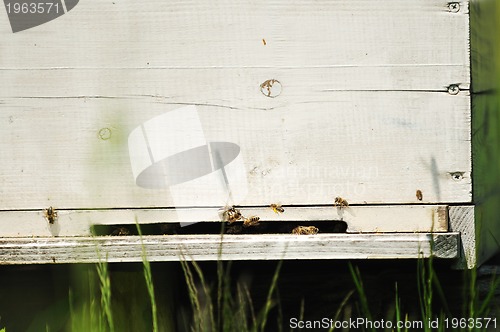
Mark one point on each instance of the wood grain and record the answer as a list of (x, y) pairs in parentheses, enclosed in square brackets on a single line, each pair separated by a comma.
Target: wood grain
[(461, 219), (359, 219), (355, 76), (363, 113), (194, 34), (56, 156), (230, 247)]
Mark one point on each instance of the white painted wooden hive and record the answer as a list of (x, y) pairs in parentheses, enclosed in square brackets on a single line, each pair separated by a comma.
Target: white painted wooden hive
[(162, 112)]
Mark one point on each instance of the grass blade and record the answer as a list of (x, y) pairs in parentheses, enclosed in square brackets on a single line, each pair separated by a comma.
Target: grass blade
[(148, 276)]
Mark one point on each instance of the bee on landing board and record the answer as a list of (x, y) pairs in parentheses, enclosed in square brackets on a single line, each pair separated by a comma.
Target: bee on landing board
[(340, 202), (305, 230), (277, 208), (419, 195), (251, 221), (231, 214), (50, 214)]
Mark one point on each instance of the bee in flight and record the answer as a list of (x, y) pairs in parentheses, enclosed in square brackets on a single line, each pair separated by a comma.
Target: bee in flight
[(419, 195), (340, 202), (305, 230), (231, 214), (251, 221), (50, 214), (277, 208)]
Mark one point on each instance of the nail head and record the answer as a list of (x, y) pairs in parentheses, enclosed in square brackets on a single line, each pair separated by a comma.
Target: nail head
[(453, 89), (104, 133), (454, 7)]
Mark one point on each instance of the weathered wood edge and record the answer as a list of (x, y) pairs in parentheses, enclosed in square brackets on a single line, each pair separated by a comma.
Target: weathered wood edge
[(366, 218), (227, 247), (461, 220)]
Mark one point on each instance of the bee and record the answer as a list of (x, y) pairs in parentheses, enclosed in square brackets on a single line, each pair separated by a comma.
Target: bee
[(251, 221), (120, 231), (277, 208), (419, 195), (231, 214), (50, 214), (305, 230), (340, 202)]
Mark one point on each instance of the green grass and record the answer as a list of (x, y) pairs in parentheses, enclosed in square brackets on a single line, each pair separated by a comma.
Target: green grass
[(220, 304), (432, 308), (363, 299), (105, 287), (218, 301), (232, 309), (87, 315), (225, 308), (148, 276)]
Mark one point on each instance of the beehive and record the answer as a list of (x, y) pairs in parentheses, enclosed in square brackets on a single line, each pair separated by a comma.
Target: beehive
[(157, 112)]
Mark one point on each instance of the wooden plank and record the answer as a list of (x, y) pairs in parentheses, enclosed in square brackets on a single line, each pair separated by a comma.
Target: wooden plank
[(155, 33), (354, 75), (461, 220), (366, 219), (57, 156), (220, 85), (230, 247)]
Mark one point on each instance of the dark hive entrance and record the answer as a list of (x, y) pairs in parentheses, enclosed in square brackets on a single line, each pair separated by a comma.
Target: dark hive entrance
[(262, 227)]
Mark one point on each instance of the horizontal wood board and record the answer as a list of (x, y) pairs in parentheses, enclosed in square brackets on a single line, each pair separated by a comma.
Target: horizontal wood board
[(364, 110), (234, 247), (367, 150), (227, 34), (368, 219)]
